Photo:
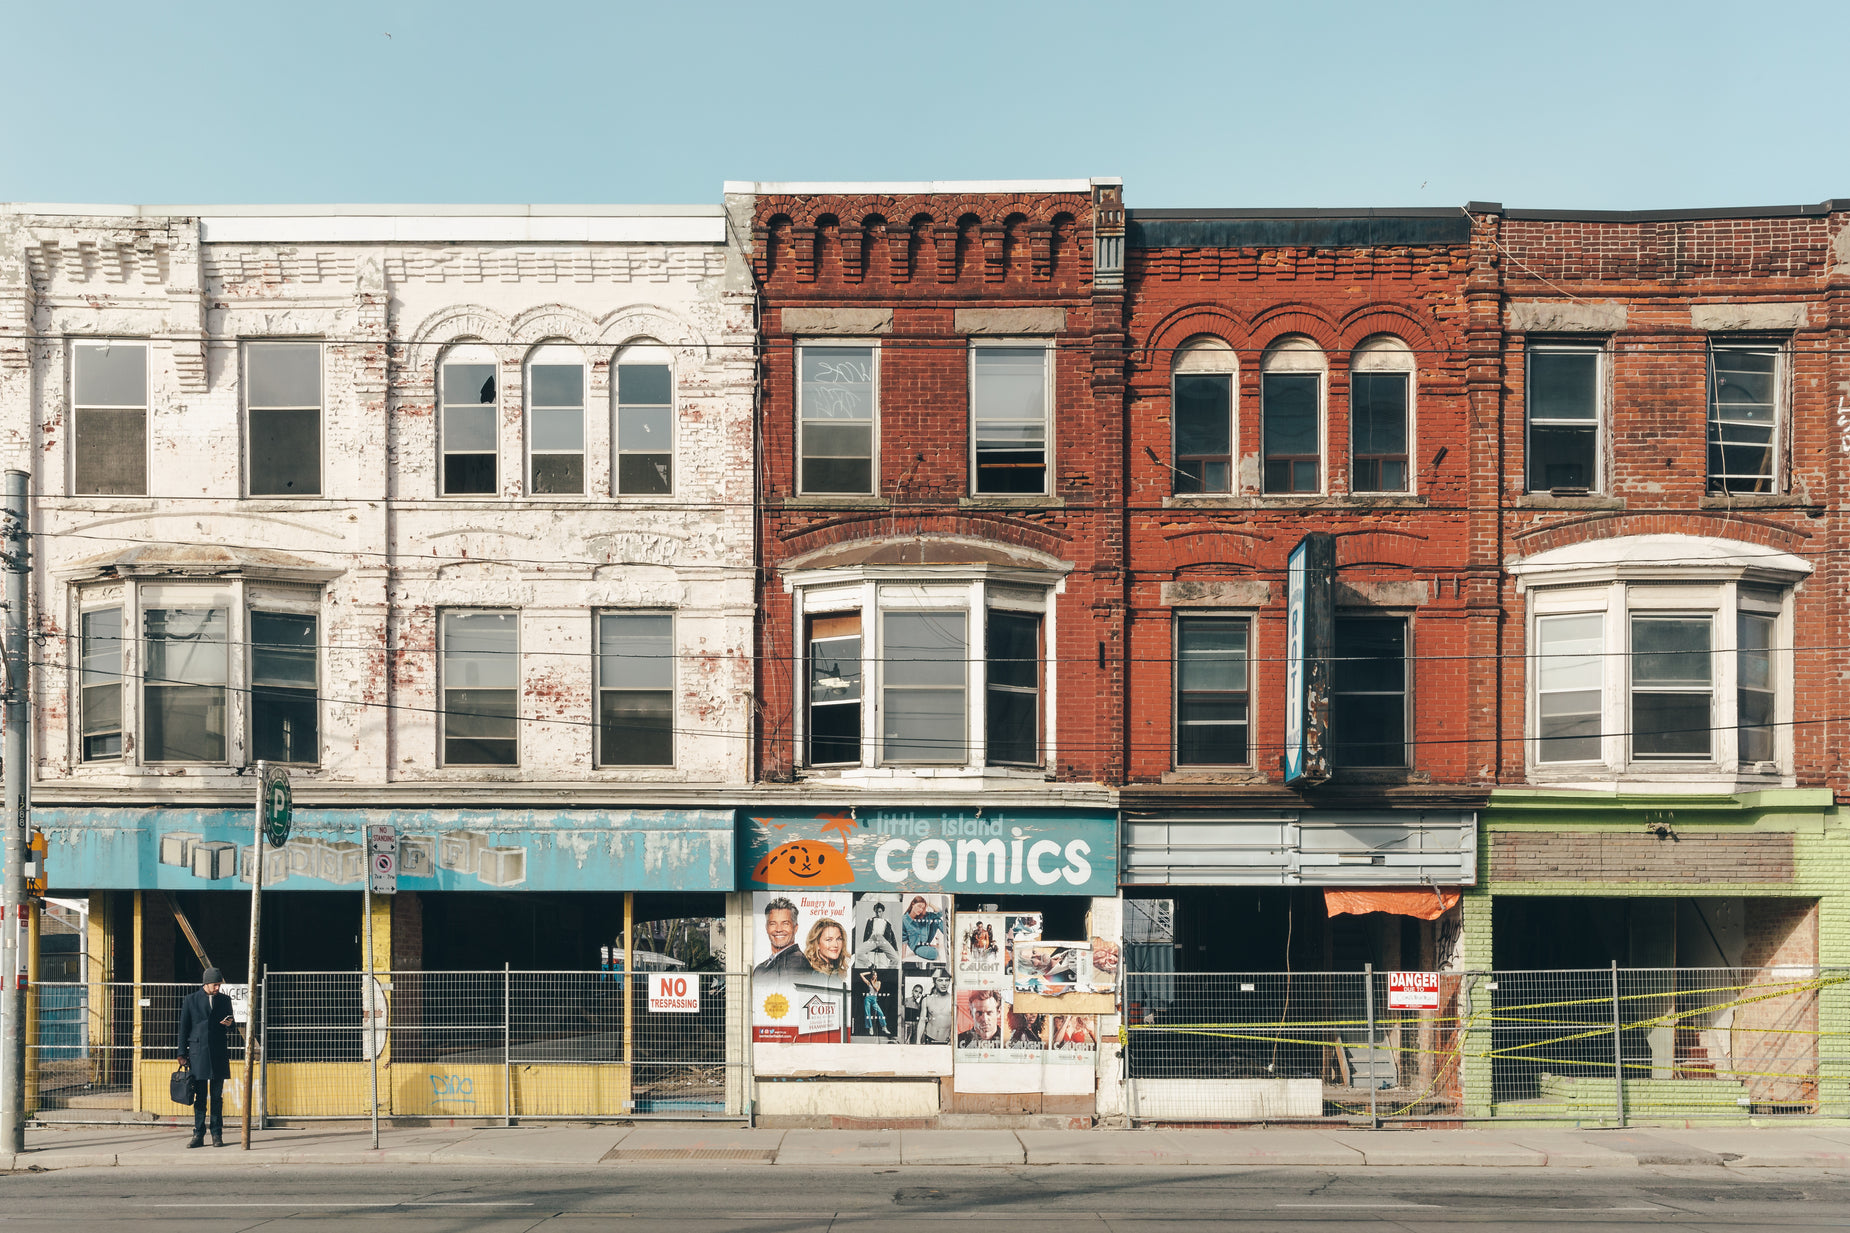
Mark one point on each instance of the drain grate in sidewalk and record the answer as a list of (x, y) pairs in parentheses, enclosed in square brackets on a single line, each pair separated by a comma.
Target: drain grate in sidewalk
[(690, 1153)]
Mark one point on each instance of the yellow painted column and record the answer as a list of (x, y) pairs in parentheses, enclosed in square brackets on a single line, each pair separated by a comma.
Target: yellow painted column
[(382, 972), (99, 947), (34, 913), (135, 1012)]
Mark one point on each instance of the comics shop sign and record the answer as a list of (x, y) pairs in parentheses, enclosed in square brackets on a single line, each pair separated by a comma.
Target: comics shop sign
[(1025, 852)]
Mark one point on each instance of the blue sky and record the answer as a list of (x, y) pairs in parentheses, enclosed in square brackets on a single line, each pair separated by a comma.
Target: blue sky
[(1611, 105)]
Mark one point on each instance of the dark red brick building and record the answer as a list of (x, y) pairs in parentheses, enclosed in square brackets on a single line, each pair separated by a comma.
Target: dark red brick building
[(1294, 374)]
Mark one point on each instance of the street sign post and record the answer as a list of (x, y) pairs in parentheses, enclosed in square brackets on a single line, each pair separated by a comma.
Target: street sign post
[(382, 849), (275, 815)]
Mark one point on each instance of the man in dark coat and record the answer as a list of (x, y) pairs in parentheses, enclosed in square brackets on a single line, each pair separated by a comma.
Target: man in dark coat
[(204, 1016)]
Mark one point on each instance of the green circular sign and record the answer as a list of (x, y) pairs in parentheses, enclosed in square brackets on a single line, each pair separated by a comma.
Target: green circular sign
[(278, 808)]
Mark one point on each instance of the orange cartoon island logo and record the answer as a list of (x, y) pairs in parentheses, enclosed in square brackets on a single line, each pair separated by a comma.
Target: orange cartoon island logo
[(807, 862)]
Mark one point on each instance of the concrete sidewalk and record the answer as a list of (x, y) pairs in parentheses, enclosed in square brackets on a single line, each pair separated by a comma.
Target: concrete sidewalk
[(553, 1146)]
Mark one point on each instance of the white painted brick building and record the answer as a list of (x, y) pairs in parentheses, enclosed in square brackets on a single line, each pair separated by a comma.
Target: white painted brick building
[(449, 509)]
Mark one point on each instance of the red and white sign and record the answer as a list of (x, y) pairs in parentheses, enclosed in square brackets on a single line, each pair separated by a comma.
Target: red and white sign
[(674, 991), (1413, 991)]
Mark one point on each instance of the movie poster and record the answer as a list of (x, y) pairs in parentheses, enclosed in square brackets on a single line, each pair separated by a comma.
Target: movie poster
[(1054, 969), (982, 948), (800, 980)]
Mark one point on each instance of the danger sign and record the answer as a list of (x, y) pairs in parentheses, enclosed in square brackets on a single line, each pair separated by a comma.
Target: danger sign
[(673, 991), (1413, 991)]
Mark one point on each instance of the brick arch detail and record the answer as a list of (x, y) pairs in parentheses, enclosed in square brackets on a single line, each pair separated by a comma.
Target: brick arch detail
[(853, 528), (1189, 321), (1646, 522), (1273, 324), (1367, 320)]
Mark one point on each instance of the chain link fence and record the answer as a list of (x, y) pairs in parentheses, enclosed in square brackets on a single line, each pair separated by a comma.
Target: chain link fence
[(104, 1047), (1601, 1046), (501, 1045)]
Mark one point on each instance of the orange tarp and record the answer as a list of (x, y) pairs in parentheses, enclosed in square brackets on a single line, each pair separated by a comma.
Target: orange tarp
[(1427, 903)]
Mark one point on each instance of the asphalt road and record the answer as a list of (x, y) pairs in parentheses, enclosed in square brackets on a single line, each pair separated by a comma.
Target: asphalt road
[(690, 1199)]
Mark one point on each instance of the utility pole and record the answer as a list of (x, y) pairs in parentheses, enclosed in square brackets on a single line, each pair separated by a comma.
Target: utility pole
[(15, 771)]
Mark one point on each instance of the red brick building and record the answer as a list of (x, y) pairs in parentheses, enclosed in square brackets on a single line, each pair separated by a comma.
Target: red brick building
[(1299, 373), (1670, 387)]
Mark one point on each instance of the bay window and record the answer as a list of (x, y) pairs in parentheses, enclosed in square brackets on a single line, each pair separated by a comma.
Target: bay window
[(924, 676), (1660, 657), (228, 673)]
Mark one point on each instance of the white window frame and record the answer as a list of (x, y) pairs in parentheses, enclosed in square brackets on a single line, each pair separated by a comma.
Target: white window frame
[(1206, 355), (1048, 416), (598, 689), (874, 592), (873, 436), (250, 347), (1386, 353), (146, 408), (469, 353), (1616, 604), (561, 355), (1602, 401), (1780, 350), (1178, 617), (1290, 355), (644, 352), (240, 597), (443, 689)]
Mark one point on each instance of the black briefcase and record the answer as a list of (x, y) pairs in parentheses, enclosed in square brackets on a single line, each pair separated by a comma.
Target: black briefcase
[(180, 1086)]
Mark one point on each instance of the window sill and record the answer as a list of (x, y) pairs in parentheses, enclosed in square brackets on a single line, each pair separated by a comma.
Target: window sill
[(1546, 500), (1006, 502), (1384, 500), (1228, 775), (840, 501), (891, 774), (1671, 780), (1759, 500)]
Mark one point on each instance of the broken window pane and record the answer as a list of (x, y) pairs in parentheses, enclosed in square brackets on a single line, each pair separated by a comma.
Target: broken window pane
[(469, 429), (184, 688), (556, 424), (837, 397), (645, 429), (284, 721), (1743, 418), (635, 664)]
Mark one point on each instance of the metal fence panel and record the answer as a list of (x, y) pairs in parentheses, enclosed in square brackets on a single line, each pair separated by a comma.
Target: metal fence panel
[(1601, 1045), (88, 1041)]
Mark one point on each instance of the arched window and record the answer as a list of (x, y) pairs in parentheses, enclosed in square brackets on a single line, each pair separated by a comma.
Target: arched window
[(1291, 408), (1201, 384), (1380, 415), (556, 421), (468, 427), (644, 394)]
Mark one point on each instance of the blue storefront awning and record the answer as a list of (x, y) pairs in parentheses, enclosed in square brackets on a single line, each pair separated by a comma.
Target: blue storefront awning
[(438, 849)]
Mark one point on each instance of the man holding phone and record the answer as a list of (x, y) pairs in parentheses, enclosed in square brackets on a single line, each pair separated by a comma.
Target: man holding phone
[(204, 1016)]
